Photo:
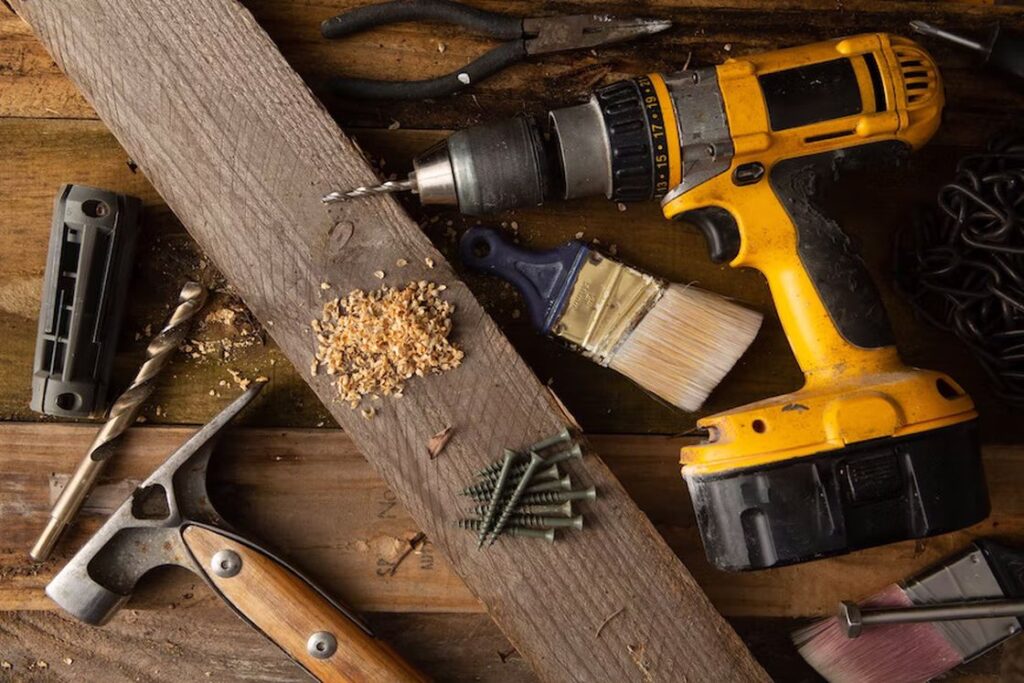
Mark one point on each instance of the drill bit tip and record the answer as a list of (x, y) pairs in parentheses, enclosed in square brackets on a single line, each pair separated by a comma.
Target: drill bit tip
[(391, 186)]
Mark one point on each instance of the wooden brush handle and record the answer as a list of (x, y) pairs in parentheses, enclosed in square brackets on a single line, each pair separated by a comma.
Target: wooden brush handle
[(291, 612)]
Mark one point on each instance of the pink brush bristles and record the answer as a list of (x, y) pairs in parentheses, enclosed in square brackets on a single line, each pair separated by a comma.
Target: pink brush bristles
[(898, 653)]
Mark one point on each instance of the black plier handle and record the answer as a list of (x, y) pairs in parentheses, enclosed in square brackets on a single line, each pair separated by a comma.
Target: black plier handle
[(492, 24), (523, 37)]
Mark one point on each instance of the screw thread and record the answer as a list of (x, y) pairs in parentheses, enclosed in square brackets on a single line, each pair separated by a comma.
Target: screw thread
[(563, 436), (563, 483), (509, 530), (487, 487), (492, 506), (555, 458), (555, 509), (513, 501), (547, 497), (542, 522)]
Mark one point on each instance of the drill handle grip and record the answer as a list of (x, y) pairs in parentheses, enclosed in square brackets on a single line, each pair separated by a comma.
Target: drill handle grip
[(829, 306)]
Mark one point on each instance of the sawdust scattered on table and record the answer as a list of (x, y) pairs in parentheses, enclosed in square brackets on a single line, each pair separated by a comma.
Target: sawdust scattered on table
[(373, 342), (223, 332)]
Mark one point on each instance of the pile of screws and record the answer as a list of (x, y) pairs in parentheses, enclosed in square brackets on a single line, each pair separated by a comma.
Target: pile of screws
[(526, 494)]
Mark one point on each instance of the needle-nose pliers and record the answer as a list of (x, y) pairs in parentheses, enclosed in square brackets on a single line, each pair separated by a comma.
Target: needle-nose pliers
[(524, 36)]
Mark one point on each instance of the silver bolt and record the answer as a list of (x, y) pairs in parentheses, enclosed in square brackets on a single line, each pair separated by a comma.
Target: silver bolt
[(322, 645)]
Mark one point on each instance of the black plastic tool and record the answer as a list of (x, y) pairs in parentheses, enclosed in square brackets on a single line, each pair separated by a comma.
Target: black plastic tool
[(1002, 49), (92, 244), (529, 36)]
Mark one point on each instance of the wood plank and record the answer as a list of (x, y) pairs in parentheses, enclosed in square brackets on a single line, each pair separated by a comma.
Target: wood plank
[(232, 139), (43, 154), (277, 485)]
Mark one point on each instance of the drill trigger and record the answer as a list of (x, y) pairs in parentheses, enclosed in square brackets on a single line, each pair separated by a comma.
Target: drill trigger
[(720, 231)]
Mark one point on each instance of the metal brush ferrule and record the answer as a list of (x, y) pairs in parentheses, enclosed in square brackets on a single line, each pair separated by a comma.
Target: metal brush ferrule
[(607, 301), (968, 577)]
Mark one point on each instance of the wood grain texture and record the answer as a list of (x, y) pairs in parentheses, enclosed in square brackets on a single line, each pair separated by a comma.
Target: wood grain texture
[(288, 610), (312, 498), (232, 139), (203, 640)]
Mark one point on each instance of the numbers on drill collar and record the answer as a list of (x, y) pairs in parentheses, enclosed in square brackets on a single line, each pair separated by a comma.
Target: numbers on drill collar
[(659, 137)]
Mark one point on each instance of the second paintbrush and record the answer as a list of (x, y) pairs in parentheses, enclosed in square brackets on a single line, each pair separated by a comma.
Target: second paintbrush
[(675, 341)]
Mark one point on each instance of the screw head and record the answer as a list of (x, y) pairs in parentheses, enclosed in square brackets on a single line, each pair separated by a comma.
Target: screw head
[(322, 645), (225, 563)]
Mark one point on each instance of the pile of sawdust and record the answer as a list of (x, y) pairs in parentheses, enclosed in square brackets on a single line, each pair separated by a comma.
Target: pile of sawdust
[(375, 341)]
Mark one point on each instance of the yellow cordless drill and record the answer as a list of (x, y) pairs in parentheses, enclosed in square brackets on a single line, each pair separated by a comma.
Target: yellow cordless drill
[(868, 451)]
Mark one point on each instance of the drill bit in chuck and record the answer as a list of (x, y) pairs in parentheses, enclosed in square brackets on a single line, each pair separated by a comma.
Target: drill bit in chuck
[(122, 415)]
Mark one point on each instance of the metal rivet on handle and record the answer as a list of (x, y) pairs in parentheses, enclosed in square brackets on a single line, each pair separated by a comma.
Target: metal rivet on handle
[(322, 644), (226, 563)]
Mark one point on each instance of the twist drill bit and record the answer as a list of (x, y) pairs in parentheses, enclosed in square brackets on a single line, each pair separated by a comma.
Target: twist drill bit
[(121, 416), (391, 186)]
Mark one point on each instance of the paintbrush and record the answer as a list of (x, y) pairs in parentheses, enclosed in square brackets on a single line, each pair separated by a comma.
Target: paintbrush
[(676, 341), (925, 626)]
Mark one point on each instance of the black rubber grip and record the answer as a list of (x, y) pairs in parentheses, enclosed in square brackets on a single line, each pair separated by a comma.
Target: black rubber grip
[(487, 64), (496, 25), (836, 270)]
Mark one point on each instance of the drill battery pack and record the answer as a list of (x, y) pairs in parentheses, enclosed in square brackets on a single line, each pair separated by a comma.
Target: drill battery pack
[(866, 494)]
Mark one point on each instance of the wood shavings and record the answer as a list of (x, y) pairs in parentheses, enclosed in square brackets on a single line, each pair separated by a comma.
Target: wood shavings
[(369, 413), (579, 235), (441, 47), (394, 125), (325, 285), (373, 342), (401, 263), (622, 207), (438, 442), (414, 543), (379, 274), (429, 261), (241, 381)]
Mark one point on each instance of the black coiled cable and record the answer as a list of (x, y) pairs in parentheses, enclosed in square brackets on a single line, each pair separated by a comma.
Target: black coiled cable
[(962, 265)]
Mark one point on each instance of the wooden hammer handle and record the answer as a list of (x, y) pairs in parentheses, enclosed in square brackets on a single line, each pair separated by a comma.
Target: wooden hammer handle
[(292, 613)]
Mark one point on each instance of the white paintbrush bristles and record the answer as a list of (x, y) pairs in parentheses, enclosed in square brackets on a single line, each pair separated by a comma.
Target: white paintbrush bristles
[(686, 344)]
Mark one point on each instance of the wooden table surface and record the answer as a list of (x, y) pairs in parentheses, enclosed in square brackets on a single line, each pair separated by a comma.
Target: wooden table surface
[(175, 629)]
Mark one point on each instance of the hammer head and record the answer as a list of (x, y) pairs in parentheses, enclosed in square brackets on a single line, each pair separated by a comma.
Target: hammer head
[(145, 531)]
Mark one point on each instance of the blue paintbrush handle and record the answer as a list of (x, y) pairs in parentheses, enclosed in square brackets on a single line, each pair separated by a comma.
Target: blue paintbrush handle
[(544, 278)]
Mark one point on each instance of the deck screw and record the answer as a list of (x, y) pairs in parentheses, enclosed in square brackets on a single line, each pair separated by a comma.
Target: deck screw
[(555, 509), (486, 487), (548, 497), (561, 484), (573, 453), (563, 436), (509, 530), (496, 494), (535, 462), (538, 522)]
